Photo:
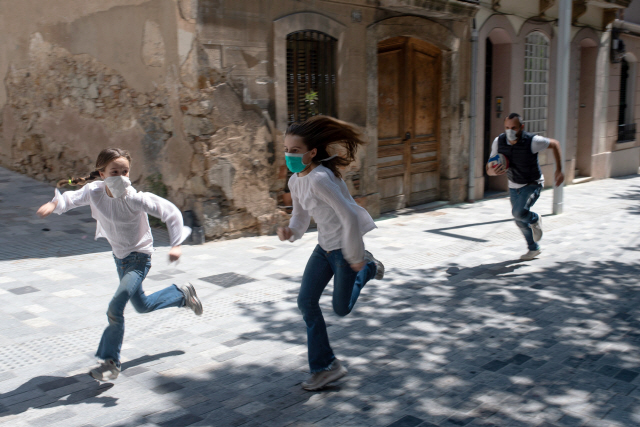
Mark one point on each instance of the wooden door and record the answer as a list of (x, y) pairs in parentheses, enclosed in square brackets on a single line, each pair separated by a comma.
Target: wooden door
[(408, 122)]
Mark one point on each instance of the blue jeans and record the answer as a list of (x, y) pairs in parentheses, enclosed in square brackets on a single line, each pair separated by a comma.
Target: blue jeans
[(522, 199), (347, 285), (132, 270)]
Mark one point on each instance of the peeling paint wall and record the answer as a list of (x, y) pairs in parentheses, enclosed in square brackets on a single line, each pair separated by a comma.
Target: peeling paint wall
[(131, 76)]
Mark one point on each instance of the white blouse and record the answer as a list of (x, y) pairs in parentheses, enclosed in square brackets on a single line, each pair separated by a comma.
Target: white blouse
[(123, 221), (341, 221)]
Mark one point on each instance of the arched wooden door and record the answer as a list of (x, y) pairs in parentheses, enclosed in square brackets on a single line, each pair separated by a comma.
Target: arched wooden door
[(408, 122)]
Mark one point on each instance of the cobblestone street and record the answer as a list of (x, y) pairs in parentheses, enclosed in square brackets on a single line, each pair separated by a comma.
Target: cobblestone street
[(459, 333)]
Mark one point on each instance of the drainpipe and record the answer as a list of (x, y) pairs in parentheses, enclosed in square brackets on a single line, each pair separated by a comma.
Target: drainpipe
[(472, 112), (627, 27), (562, 95)]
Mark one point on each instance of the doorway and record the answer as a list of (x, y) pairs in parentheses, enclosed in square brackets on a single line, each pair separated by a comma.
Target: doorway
[(586, 101), (488, 80), (409, 76), (497, 87)]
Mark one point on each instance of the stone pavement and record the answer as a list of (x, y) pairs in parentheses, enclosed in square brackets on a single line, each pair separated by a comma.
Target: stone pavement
[(459, 333)]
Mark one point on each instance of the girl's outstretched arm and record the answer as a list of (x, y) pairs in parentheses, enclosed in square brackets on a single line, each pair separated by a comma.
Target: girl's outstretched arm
[(46, 209), (170, 215), (63, 202)]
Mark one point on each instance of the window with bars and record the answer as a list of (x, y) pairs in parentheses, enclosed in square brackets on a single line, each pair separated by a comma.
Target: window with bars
[(310, 69), (626, 125), (536, 82)]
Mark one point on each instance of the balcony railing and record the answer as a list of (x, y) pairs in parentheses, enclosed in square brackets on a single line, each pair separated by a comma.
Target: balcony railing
[(627, 132), (444, 9)]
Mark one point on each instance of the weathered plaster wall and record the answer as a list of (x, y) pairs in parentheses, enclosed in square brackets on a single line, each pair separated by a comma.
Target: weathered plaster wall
[(131, 75), (190, 87)]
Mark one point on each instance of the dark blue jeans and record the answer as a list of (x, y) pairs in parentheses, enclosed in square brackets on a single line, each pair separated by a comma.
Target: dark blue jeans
[(347, 285), (522, 199), (132, 270)]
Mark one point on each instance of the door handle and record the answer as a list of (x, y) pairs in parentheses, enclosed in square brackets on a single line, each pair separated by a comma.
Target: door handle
[(407, 136)]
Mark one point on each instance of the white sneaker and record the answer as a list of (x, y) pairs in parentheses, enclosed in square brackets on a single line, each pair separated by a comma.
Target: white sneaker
[(106, 366), (317, 380), (530, 255), (379, 266), (536, 228)]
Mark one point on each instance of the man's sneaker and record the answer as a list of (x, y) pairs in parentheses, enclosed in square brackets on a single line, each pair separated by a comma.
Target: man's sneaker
[(108, 366), (530, 255), (317, 380), (191, 300), (379, 266), (536, 228)]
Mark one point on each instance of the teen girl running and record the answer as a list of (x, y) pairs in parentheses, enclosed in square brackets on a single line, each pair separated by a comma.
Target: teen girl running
[(318, 191), (121, 215)]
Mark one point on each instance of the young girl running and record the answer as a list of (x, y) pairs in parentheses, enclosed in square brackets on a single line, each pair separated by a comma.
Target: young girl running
[(318, 191), (121, 215)]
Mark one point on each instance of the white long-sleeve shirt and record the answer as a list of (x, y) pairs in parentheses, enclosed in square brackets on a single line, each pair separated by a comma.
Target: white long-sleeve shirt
[(123, 221), (341, 221)]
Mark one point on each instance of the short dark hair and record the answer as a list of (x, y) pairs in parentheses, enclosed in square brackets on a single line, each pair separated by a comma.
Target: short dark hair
[(515, 116)]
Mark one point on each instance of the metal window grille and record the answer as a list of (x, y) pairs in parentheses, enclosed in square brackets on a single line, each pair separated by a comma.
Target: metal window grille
[(624, 79), (536, 82), (626, 125), (310, 68)]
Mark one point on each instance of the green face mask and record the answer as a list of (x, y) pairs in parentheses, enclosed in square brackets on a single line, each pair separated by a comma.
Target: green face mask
[(294, 162)]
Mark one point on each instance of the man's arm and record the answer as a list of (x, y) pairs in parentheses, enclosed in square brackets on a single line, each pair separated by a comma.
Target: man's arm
[(500, 169), (555, 146)]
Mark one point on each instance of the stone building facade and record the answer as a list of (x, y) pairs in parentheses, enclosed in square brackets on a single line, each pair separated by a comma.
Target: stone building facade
[(623, 106), (201, 91), (517, 56)]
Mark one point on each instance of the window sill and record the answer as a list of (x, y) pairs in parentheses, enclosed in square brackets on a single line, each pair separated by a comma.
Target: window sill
[(624, 145)]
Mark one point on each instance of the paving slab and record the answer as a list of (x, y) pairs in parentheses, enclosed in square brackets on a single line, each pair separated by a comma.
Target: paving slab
[(459, 333)]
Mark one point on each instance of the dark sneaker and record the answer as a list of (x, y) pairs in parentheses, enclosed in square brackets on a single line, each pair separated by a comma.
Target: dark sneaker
[(318, 380), (108, 366), (530, 255), (379, 266), (191, 300), (536, 228)]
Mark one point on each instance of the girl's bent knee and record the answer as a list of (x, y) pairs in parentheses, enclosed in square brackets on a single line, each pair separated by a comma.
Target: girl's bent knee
[(114, 317), (139, 306), (341, 311), (307, 306), (518, 214)]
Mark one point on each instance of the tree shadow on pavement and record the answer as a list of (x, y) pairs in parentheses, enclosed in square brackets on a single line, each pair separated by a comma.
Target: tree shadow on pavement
[(506, 344), (51, 391), (631, 193)]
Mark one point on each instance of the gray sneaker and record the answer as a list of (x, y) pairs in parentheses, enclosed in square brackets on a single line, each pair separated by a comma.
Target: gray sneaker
[(108, 366), (317, 380), (536, 228), (530, 255), (191, 300), (379, 266)]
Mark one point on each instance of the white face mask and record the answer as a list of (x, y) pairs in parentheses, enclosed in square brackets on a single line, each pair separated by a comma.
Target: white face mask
[(512, 135), (118, 185)]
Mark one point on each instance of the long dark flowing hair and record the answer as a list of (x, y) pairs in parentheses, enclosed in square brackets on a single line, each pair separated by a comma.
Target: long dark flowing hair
[(105, 157), (321, 132)]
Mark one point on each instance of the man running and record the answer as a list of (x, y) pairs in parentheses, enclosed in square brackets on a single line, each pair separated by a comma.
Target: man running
[(525, 177)]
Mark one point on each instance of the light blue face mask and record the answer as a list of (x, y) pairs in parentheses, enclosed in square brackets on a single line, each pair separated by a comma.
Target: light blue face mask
[(294, 161)]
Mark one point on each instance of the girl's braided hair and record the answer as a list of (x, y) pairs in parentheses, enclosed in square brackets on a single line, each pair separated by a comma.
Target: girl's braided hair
[(105, 157)]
